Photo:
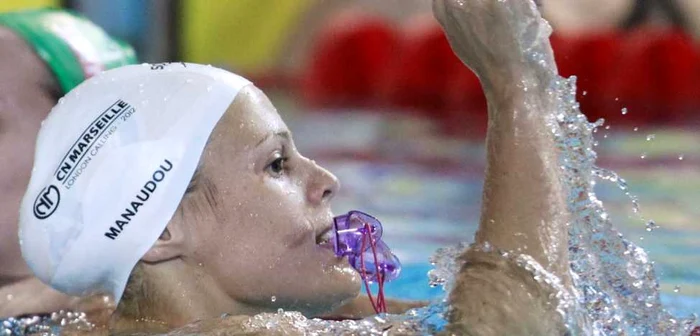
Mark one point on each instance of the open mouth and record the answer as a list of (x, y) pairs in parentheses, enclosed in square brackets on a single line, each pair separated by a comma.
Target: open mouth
[(325, 237)]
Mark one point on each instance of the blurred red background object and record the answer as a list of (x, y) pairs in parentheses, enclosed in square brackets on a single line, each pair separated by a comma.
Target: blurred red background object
[(349, 60), (651, 74)]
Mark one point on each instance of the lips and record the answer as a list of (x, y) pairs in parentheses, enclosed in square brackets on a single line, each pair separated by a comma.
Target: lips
[(324, 238)]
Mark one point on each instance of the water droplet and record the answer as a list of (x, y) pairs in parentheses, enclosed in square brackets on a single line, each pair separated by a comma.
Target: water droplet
[(617, 99), (165, 99), (638, 283), (280, 311), (10, 297), (676, 289), (607, 127), (643, 156), (241, 126), (651, 137), (636, 129), (649, 304), (651, 226), (273, 298), (61, 101), (624, 110), (584, 93), (209, 88), (680, 157)]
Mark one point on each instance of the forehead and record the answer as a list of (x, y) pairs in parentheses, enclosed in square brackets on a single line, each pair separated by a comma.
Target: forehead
[(250, 118)]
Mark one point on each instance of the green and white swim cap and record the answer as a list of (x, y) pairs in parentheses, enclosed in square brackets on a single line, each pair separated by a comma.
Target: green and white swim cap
[(73, 47), (112, 163)]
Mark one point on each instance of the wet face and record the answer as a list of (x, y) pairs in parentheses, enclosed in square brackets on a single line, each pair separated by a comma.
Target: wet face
[(27, 94), (271, 208)]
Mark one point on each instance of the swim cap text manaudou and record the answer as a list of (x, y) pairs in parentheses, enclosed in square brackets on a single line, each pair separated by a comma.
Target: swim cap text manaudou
[(113, 160), (73, 47)]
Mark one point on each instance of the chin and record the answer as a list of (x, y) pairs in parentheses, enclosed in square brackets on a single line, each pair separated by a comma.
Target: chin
[(340, 292), (348, 292), (317, 309)]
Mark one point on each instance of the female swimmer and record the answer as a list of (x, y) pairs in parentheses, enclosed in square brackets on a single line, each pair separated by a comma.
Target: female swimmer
[(177, 189)]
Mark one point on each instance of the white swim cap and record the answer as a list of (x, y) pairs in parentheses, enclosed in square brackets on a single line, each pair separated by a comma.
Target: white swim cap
[(113, 160)]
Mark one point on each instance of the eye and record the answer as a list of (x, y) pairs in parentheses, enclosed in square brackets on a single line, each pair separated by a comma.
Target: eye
[(277, 167)]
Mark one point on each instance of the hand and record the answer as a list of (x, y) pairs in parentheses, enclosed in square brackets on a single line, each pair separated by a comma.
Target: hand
[(495, 38)]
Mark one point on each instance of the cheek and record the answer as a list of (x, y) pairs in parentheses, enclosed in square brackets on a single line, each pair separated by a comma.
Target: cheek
[(253, 237), (279, 209), (265, 227), (286, 192)]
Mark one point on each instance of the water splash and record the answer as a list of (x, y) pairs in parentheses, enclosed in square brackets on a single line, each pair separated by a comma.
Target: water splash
[(651, 226), (53, 324), (619, 291), (446, 265), (612, 176)]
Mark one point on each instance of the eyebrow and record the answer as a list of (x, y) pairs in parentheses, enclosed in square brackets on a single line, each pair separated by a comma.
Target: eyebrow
[(282, 134)]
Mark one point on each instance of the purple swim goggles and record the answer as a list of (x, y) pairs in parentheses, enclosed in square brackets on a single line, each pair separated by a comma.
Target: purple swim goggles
[(357, 235)]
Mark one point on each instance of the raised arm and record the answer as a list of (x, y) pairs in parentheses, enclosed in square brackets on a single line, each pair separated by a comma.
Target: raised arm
[(505, 42)]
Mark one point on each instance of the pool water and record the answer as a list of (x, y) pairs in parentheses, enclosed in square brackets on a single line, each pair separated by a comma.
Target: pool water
[(426, 189)]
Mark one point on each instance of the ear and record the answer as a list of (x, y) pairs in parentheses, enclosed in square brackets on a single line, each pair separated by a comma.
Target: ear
[(169, 245)]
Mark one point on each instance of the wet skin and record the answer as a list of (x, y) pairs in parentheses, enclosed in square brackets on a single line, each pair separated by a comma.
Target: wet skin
[(245, 240), (27, 94)]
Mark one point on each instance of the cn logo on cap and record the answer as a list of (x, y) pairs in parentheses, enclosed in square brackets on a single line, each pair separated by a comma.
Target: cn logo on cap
[(47, 202)]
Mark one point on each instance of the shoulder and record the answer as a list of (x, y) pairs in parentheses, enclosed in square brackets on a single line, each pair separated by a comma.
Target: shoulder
[(499, 295), (26, 83)]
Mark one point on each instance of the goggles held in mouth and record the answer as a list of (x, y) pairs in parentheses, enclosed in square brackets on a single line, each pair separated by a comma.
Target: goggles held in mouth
[(357, 235)]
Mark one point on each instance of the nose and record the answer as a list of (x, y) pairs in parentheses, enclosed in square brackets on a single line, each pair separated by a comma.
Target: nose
[(322, 185)]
